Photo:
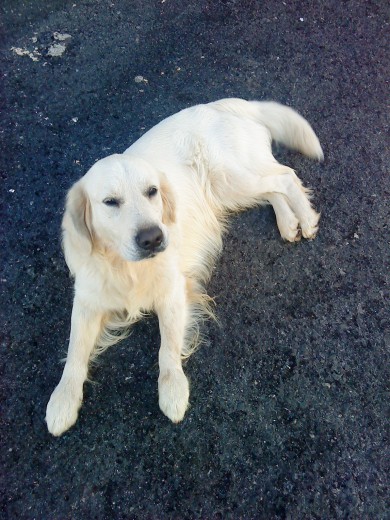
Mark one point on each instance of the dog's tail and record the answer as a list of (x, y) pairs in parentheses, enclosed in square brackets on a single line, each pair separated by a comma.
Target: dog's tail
[(284, 124)]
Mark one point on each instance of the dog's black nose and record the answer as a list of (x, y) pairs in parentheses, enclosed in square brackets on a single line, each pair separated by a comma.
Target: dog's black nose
[(150, 238)]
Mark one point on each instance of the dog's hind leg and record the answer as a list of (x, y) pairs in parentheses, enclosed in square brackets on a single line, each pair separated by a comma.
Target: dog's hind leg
[(245, 188), (298, 198), (287, 222)]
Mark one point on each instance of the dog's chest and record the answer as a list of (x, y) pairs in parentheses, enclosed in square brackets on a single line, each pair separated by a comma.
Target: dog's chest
[(131, 293), (136, 287)]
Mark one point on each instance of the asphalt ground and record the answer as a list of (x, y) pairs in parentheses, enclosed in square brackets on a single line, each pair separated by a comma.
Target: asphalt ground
[(289, 409)]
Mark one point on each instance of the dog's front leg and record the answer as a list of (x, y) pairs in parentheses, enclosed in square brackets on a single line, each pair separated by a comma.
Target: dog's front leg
[(173, 387), (65, 401)]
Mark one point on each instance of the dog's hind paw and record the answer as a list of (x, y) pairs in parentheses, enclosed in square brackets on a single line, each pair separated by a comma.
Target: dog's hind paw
[(310, 225), (173, 389), (290, 231)]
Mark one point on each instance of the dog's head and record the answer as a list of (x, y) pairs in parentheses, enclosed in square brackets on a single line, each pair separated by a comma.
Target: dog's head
[(122, 204)]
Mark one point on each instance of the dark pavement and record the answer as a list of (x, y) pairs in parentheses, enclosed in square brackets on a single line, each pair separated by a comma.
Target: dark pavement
[(289, 402)]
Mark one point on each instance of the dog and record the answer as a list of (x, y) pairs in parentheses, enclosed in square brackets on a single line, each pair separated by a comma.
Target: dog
[(142, 230)]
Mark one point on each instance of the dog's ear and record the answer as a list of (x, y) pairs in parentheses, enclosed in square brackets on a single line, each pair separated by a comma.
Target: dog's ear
[(168, 199), (77, 225)]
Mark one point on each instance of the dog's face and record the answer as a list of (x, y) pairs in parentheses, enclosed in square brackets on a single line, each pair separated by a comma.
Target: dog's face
[(125, 206)]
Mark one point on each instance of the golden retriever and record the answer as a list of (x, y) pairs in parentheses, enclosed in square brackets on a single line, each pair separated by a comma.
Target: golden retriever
[(142, 229)]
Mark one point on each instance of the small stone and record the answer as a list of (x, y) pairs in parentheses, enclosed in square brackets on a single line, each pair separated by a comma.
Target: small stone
[(61, 36), (56, 50)]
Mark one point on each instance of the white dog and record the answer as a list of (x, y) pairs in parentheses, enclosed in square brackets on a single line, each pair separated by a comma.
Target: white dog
[(142, 229)]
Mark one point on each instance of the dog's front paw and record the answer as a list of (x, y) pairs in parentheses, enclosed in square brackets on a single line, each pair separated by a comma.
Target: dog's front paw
[(62, 409), (173, 389)]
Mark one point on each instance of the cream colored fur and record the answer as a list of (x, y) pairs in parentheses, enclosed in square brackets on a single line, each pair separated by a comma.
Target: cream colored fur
[(182, 178)]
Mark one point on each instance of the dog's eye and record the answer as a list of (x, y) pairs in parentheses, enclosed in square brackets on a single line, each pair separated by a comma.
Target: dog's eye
[(112, 201), (152, 191)]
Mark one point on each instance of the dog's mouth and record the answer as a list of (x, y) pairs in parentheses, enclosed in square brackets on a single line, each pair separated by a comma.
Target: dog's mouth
[(145, 255), (139, 255)]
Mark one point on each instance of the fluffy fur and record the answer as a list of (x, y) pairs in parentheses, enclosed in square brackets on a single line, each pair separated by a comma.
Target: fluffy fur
[(142, 229)]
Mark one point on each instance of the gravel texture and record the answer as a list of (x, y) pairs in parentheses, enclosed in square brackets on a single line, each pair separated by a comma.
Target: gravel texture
[(289, 401)]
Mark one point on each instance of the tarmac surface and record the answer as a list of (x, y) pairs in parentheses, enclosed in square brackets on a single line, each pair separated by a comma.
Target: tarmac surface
[(289, 402)]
